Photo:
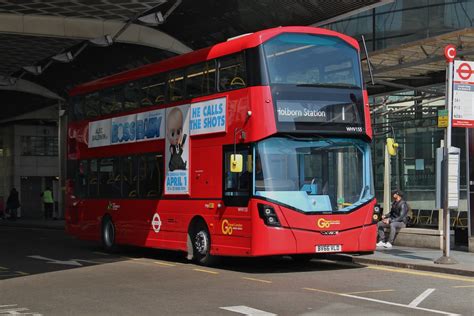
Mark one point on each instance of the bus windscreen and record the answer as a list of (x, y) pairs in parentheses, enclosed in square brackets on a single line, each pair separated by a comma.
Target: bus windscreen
[(314, 79)]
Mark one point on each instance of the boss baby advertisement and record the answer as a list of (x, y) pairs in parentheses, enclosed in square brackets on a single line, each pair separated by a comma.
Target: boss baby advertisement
[(208, 117), (177, 150)]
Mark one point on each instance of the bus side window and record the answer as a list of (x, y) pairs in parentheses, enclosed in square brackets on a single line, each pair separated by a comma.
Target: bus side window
[(150, 176), (77, 104), (132, 95), (80, 178), (92, 179), (110, 101), (92, 105), (153, 90), (201, 79), (232, 72), (109, 178), (176, 86), (130, 177)]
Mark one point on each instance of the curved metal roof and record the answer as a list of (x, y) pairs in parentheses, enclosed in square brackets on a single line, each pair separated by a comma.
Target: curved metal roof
[(32, 31)]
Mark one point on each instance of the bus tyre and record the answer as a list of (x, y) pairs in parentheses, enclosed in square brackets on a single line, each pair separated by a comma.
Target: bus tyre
[(108, 235), (201, 242)]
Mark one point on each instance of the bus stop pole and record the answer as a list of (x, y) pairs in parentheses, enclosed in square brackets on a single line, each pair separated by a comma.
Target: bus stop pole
[(445, 258)]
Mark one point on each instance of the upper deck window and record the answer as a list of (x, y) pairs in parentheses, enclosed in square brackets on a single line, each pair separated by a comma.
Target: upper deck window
[(77, 107), (132, 95), (232, 73), (153, 90), (313, 60), (110, 101), (201, 79), (176, 86), (92, 104)]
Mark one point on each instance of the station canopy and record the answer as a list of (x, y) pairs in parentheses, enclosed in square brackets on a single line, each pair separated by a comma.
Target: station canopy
[(48, 47)]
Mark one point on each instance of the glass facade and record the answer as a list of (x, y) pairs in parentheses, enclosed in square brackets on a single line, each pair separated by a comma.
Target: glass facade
[(406, 20), (39, 146), (407, 115), (413, 169)]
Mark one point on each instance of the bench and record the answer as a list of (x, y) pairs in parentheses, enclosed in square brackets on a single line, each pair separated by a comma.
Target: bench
[(417, 237)]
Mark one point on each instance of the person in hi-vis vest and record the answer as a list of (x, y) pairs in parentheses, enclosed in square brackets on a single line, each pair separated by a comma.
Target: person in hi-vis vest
[(48, 203)]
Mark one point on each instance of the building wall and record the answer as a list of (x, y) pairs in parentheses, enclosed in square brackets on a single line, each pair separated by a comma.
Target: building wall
[(6, 162), (29, 158)]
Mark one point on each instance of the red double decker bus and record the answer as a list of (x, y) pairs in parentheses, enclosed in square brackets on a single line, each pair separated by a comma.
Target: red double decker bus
[(256, 146)]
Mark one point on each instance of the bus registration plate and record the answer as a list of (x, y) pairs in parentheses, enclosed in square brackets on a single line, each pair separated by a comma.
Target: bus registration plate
[(328, 248)]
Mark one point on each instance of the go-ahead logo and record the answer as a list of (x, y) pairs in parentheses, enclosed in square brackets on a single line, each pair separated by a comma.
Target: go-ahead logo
[(228, 228), (111, 206), (324, 223)]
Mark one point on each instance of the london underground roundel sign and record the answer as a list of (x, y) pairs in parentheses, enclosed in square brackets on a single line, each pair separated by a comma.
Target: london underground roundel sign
[(450, 52)]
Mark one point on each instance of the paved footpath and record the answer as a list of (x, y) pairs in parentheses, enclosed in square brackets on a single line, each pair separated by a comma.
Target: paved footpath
[(417, 259)]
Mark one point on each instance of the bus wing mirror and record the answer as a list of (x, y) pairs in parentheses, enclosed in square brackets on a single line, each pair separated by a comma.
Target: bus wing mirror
[(236, 163), (392, 147)]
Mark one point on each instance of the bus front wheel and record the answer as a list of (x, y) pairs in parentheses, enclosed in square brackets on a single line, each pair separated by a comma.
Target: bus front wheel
[(108, 235), (201, 242)]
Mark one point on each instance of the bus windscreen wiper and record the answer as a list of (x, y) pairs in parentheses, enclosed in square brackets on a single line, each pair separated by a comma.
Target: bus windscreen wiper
[(328, 85)]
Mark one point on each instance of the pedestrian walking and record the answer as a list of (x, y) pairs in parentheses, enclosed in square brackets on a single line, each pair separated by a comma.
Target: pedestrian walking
[(395, 220), (13, 203), (48, 203)]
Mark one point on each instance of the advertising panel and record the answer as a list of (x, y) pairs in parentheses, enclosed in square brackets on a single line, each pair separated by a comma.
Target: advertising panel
[(208, 117), (463, 94), (150, 125), (123, 129), (177, 150), (127, 129), (99, 133)]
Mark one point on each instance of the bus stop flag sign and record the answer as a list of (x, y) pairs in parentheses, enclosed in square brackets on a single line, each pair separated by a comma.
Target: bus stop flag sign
[(463, 94)]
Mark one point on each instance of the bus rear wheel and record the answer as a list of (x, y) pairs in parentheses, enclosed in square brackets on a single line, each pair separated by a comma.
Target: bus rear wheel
[(108, 235), (201, 242)]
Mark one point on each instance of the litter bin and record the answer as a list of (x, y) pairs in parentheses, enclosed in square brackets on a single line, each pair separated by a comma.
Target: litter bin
[(460, 236)]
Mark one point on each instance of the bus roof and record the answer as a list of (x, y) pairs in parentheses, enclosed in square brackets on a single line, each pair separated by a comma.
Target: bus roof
[(222, 49)]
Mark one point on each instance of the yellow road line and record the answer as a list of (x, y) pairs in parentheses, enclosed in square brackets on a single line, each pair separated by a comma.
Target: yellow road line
[(374, 291), (101, 253), (165, 264), (139, 262), (206, 271), (257, 280), (459, 286), (422, 273), (323, 291), (3, 268)]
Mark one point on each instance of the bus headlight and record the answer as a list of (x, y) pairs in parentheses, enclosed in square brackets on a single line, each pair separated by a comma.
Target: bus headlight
[(267, 213), (376, 214)]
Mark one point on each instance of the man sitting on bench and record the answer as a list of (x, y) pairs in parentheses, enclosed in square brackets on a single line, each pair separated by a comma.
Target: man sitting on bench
[(395, 220)]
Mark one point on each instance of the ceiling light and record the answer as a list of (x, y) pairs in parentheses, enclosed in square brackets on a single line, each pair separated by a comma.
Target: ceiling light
[(63, 58), (153, 19), (35, 70), (7, 81), (103, 41)]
